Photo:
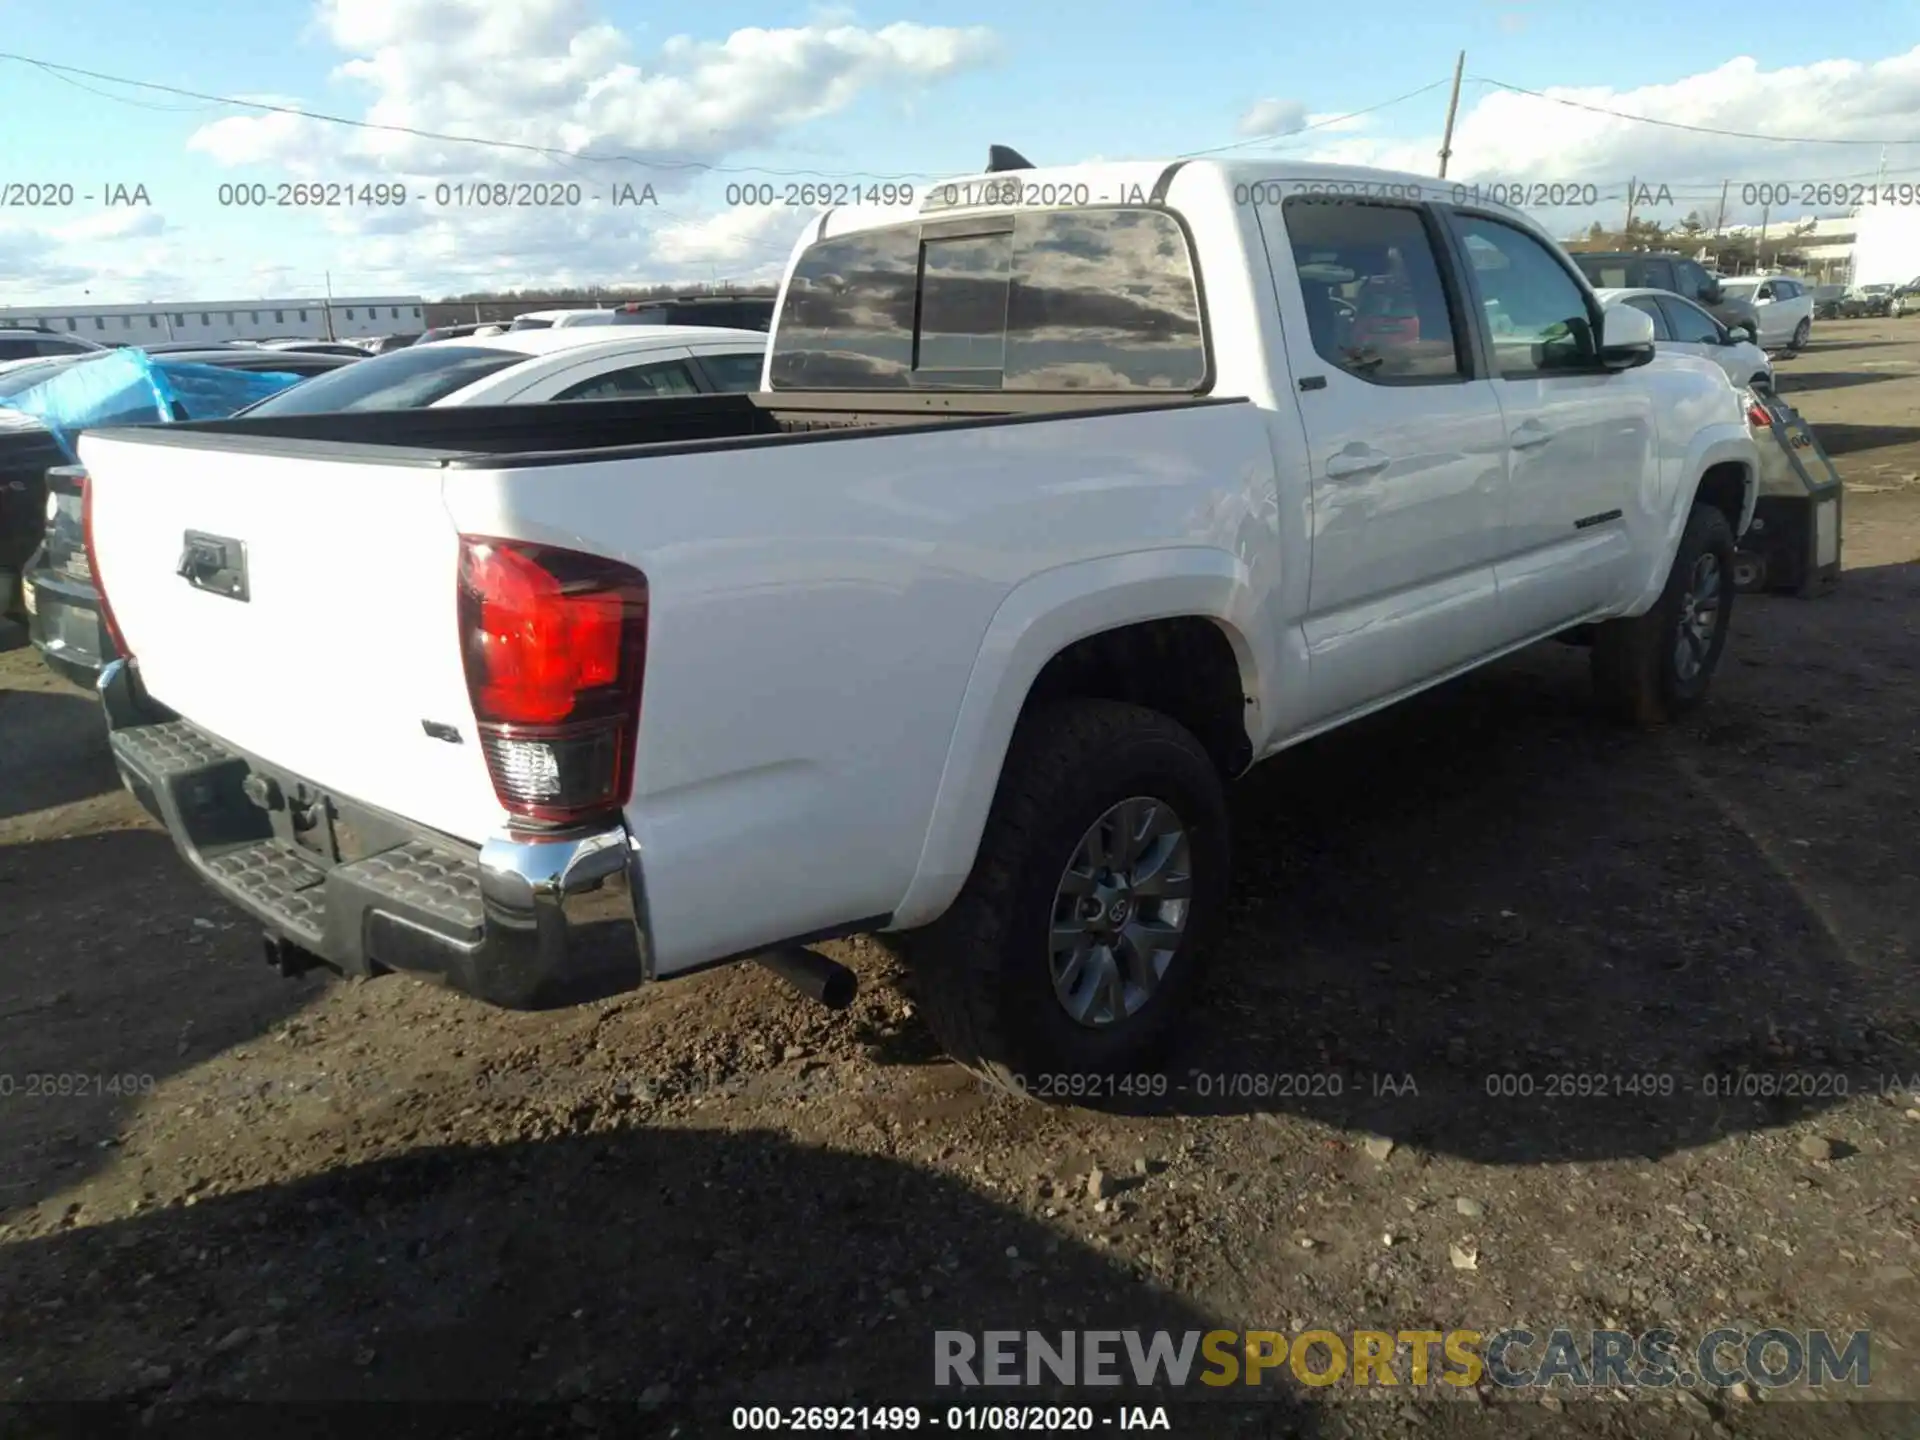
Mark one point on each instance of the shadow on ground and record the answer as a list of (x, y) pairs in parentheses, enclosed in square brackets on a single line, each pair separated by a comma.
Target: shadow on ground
[(1850, 439), (1795, 382), (151, 975), (53, 751), (602, 1269), (1487, 923)]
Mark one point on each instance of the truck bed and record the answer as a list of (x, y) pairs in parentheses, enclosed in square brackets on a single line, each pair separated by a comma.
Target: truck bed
[(609, 429)]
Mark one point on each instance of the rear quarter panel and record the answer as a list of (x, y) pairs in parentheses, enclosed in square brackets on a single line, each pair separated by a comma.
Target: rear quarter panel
[(818, 609)]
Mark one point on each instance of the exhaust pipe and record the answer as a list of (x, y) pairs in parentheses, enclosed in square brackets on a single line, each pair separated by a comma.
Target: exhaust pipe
[(813, 975)]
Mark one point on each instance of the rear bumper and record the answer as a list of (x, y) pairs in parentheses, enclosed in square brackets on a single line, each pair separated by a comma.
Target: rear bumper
[(64, 625), (516, 922)]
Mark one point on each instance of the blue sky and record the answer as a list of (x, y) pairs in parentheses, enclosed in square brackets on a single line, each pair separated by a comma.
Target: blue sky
[(1063, 81)]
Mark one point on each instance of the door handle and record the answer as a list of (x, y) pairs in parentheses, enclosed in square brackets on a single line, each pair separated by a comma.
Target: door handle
[(1350, 464), (1531, 435)]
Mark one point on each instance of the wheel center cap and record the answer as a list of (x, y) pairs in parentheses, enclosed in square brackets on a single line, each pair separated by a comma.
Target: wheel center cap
[(1118, 911)]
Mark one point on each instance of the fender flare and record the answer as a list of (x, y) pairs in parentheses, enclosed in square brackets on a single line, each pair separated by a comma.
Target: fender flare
[(1717, 444), (1038, 619)]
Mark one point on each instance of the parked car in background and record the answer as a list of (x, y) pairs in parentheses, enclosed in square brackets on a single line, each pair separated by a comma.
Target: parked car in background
[(527, 366), (447, 332), (1905, 299), (1783, 305), (318, 347), (1685, 328), (562, 319), (732, 312), (1829, 302), (739, 312), (56, 587), (1865, 301), (1636, 270), (387, 344), (961, 627), (35, 342)]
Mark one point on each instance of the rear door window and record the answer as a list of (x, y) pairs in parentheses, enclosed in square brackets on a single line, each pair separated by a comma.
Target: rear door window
[(1369, 277)]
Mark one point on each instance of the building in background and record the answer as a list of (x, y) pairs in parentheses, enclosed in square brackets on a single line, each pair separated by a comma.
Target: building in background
[(1887, 251), (341, 318)]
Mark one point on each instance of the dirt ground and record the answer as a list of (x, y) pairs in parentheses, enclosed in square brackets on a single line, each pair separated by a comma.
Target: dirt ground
[(645, 1212)]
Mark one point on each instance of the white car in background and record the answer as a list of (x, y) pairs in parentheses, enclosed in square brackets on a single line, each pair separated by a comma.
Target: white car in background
[(1683, 327), (1784, 304), (523, 367), (563, 319)]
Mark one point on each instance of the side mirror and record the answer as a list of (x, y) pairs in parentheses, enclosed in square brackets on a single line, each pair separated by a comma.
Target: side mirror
[(1626, 337), (1741, 330), (1711, 293)]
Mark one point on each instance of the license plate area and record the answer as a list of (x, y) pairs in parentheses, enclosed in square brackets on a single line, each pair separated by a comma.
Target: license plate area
[(216, 564), (326, 830)]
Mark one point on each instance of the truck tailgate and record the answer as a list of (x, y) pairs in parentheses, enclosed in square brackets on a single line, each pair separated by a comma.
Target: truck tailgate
[(340, 648)]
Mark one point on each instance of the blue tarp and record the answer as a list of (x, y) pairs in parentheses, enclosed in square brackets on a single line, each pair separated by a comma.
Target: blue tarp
[(131, 387)]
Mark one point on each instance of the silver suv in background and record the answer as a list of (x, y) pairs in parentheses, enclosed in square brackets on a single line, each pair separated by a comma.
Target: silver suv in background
[(1783, 303)]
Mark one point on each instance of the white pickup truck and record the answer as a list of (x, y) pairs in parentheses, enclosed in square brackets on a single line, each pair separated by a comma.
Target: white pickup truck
[(1067, 497)]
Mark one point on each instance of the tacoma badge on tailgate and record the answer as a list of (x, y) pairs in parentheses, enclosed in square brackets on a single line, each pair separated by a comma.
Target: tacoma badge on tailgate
[(214, 563)]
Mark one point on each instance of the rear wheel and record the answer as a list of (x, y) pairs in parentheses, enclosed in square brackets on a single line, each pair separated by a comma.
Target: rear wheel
[(1073, 948), (1801, 334), (1657, 666)]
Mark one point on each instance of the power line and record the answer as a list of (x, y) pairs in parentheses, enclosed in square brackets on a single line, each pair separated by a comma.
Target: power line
[(1316, 125), (552, 152), (1680, 125)]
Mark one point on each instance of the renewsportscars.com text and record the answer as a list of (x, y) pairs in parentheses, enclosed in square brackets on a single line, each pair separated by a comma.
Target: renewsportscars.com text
[(1514, 1358)]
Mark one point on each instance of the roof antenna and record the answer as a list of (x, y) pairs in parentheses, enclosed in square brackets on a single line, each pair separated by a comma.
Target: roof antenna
[(1005, 157)]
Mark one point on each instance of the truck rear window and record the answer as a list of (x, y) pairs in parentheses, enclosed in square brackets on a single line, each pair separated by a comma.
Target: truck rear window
[(1095, 299)]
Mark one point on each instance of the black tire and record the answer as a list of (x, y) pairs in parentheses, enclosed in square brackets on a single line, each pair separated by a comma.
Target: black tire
[(982, 970), (1636, 673), (1802, 333)]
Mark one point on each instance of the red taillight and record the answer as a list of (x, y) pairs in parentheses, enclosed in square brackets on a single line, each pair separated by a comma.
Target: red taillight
[(1759, 415), (93, 566), (554, 644)]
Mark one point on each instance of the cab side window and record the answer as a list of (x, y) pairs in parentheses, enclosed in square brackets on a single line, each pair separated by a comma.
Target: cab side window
[(1536, 312), (1371, 282)]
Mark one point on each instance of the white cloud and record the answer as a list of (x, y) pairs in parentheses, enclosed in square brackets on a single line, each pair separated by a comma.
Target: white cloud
[(119, 223), (546, 73), (1505, 136), (761, 235), (554, 75), (38, 262), (1273, 117)]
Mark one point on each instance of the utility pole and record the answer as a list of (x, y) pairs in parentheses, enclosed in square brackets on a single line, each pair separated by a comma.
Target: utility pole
[(327, 309), (1721, 219), (1626, 228), (1453, 107)]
